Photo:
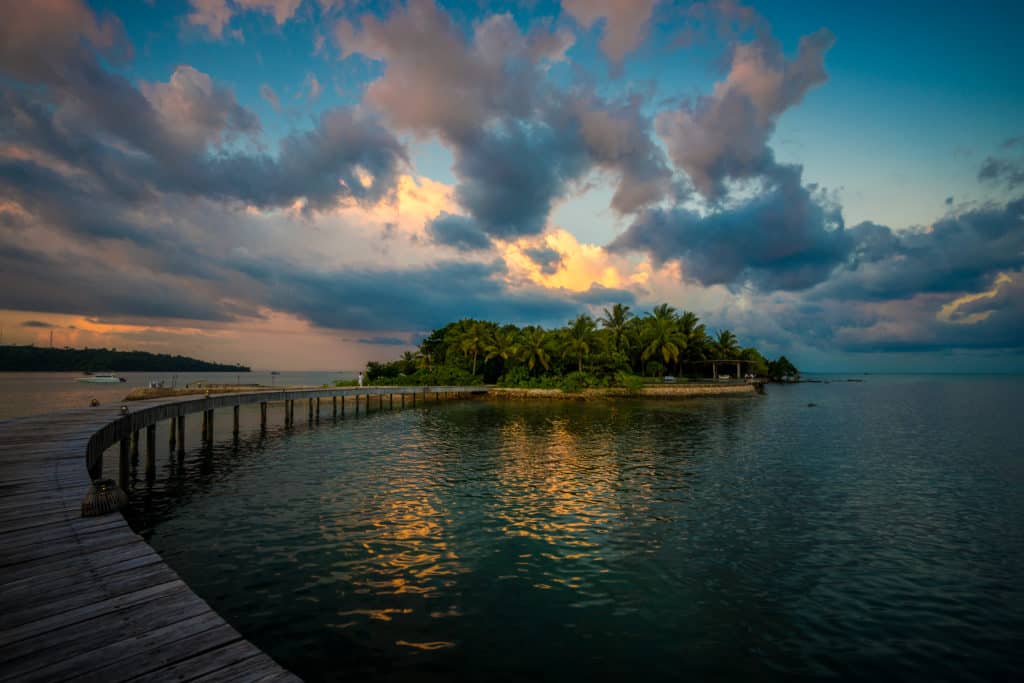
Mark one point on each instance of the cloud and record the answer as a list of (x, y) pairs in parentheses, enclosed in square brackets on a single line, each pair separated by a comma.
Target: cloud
[(625, 23), (385, 341), (548, 259), (961, 252), (458, 231), (196, 112), (1002, 172), (38, 40), (786, 237), (519, 143), (419, 298), (215, 15), (313, 87), (724, 135), (38, 324), (268, 94)]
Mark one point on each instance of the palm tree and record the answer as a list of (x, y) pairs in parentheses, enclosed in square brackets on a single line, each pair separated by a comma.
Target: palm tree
[(533, 348), (579, 338), (615, 322), (725, 346), (471, 340), (663, 311), (662, 336), (501, 343)]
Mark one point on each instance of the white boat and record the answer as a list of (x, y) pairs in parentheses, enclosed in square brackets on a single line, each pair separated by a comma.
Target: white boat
[(101, 378)]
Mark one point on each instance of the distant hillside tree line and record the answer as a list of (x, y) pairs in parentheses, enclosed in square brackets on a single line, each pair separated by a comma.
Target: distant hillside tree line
[(41, 359), (618, 348)]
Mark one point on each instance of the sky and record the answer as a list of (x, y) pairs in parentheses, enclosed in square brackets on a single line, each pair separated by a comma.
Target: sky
[(313, 184)]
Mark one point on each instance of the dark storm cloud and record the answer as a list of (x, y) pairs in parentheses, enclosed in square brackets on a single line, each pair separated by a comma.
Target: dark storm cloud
[(547, 258), (961, 252), (417, 298), (786, 237), (512, 172), (1007, 172), (67, 283), (180, 136), (460, 232)]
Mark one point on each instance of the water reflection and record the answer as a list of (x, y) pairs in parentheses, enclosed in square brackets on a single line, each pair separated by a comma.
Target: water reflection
[(716, 539)]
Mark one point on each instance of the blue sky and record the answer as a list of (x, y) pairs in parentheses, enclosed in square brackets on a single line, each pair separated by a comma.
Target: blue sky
[(839, 182)]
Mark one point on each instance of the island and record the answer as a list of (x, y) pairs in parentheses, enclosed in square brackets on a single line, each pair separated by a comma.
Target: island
[(616, 352)]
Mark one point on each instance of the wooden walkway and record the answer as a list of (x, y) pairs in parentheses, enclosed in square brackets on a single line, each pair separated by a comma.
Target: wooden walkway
[(87, 599)]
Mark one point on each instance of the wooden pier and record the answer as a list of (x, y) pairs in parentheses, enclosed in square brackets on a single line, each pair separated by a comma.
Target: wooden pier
[(85, 598)]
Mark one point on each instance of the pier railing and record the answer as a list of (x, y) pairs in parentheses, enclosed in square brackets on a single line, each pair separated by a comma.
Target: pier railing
[(126, 429)]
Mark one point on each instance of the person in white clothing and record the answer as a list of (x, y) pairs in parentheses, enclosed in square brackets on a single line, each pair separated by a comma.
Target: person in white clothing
[(360, 379)]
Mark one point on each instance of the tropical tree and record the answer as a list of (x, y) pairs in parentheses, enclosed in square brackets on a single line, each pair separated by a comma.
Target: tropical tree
[(725, 346), (533, 348), (501, 343), (615, 321), (662, 336), (579, 338), (472, 339)]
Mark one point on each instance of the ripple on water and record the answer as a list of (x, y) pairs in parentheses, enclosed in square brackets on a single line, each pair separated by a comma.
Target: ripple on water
[(878, 535)]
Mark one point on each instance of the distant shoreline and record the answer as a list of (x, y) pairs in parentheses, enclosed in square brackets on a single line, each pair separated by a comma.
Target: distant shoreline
[(42, 359)]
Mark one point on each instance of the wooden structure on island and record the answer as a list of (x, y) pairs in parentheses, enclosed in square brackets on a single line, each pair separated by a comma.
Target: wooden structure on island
[(86, 598)]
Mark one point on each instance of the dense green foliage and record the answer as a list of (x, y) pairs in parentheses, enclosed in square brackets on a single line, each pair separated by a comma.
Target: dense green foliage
[(39, 359), (617, 349)]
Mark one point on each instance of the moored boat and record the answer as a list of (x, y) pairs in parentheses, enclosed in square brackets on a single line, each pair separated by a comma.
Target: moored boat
[(101, 378)]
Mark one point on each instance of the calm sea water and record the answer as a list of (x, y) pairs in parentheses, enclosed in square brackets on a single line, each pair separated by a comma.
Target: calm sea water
[(877, 535), (34, 393)]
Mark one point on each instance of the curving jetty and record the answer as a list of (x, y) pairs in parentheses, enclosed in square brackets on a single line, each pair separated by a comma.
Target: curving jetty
[(85, 598)]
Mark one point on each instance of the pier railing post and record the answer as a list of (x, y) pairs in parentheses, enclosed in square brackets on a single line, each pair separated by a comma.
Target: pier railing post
[(181, 435), (124, 465), (151, 449)]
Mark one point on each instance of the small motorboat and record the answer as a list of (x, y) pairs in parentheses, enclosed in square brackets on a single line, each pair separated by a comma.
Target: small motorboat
[(101, 378)]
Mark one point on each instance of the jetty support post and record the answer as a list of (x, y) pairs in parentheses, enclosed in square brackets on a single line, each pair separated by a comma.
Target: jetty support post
[(414, 399), (334, 407), (209, 425), (380, 401), (318, 409), (181, 435), (343, 405), (151, 449), (174, 424), (401, 397), (263, 416), (206, 426), (234, 427), (310, 418), (391, 401), (357, 405), (124, 465), (135, 444)]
